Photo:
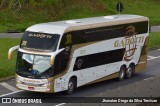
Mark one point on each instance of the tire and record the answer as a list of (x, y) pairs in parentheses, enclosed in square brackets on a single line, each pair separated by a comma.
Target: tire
[(122, 73), (130, 71), (71, 86)]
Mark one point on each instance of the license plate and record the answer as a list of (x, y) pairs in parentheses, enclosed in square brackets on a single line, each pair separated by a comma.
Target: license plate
[(30, 88)]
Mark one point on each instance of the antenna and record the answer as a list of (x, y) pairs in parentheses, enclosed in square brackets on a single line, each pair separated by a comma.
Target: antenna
[(119, 7)]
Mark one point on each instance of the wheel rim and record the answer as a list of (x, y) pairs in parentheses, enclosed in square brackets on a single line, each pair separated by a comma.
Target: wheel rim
[(71, 86), (122, 74), (129, 72)]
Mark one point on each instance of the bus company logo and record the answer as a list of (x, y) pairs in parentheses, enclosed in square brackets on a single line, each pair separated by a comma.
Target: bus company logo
[(31, 81), (131, 47), (129, 42), (79, 63), (40, 36)]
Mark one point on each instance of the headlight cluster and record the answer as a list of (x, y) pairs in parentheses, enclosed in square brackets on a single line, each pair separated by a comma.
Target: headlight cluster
[(18, 81)]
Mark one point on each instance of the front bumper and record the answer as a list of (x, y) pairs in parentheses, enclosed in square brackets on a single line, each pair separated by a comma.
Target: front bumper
[(35, 85)]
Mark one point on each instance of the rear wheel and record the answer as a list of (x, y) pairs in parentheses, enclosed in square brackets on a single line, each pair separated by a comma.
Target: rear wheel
[(71, 86), (122, 73), (130, 71)]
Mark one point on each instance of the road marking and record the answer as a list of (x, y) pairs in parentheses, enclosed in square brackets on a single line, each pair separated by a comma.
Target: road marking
[(149, 78), (10, 93), (154, 58), (60, 104), (11, 88), (151, 57)]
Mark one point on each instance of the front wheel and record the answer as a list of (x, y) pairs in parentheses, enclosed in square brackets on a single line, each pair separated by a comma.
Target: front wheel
[(71, 86), (122, 73)]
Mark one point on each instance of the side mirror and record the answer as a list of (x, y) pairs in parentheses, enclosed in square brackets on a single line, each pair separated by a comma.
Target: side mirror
[(52, 60), (11, 51), (150, 29)]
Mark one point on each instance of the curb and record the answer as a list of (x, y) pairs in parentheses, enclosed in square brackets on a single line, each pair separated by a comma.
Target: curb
[(7, 78), (154, 48)]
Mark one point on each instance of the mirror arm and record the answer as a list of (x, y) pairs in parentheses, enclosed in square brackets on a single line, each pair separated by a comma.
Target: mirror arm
[(52, 60), (11, 51)]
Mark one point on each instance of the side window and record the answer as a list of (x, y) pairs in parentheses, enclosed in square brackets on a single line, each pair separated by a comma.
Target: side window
[(62, 59), (67, 40), (61, 62)]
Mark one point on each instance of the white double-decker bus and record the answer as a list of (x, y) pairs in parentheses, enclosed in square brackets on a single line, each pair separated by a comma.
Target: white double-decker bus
[(60, 56)]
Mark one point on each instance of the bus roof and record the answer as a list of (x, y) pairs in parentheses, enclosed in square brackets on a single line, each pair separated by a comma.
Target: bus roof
[(61, 27)]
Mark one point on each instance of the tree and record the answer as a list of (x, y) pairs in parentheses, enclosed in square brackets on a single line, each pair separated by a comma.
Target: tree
[(27, 2)]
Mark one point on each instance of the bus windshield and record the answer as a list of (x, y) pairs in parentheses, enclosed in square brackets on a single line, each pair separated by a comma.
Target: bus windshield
[(34, 66), (40, 42)]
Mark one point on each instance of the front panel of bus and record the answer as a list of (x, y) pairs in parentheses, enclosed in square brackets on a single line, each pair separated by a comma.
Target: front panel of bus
[(33, 69)]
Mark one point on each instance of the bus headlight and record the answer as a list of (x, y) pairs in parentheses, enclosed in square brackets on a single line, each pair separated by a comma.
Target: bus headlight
[(18, 82)]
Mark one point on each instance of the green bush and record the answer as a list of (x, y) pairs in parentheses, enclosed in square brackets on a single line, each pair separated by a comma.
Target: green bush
[(40, 11)]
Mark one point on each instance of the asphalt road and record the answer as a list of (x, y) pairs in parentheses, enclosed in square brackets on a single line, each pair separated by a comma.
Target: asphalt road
[(153, 69), (10, 35), (155, 29)]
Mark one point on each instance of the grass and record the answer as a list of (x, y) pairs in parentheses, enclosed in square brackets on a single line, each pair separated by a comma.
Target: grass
[(7, 67), (154, 40), (55, 10), (149, 8)]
